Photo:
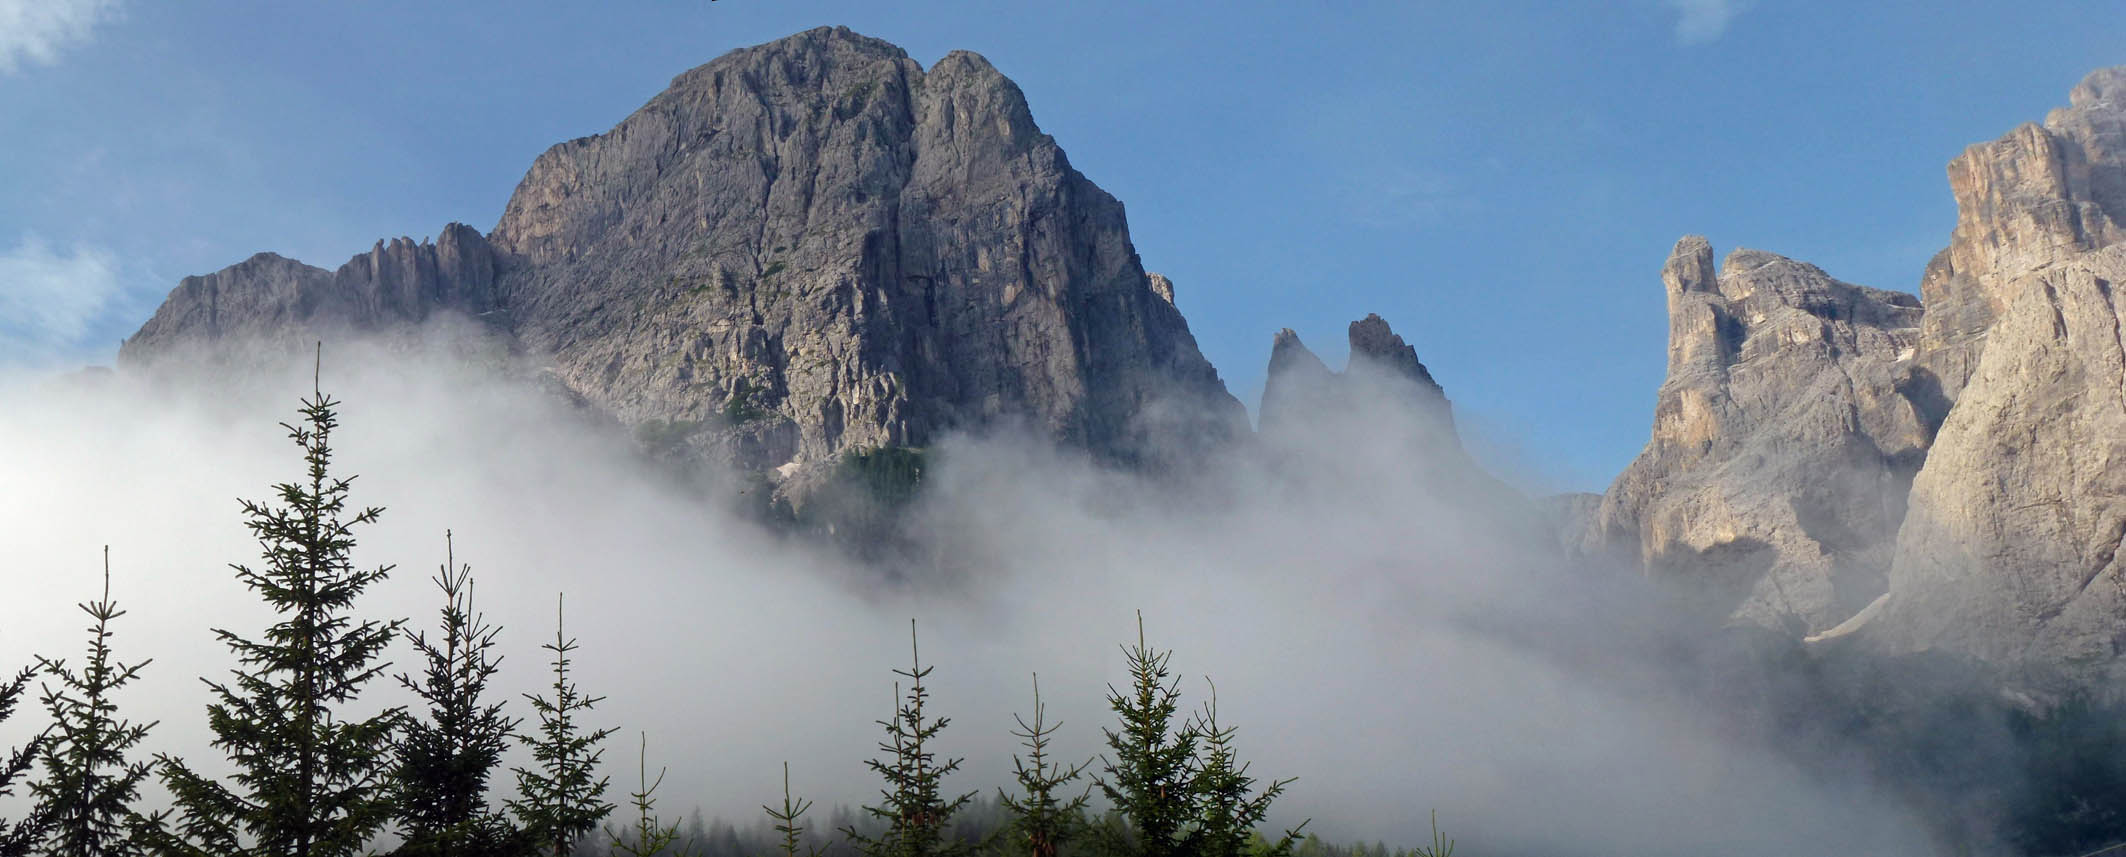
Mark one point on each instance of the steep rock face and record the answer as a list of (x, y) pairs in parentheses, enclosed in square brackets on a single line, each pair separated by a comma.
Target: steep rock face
[(814, 246), (2040, 195), (269, 297), (2009, 550), (842, 250), (1782, 446)]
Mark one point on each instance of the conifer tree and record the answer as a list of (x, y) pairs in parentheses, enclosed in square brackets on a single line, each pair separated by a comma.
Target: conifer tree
[(86, 794), (445, 760), (650, 837), (789, 821), (560, 802), (1041, 821), (1228, 808), (1149, 780), (17, 839), (914, 808), (310, 781)]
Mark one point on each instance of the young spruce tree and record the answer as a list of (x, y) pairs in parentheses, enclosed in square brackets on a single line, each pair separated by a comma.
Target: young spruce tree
[(86, 794), (914, 809), (650, 837), (790, 820), (18, 838), (1228, 807), (446, 759), (1149, 780), (310, 780), (1041, 821), (560, 802)]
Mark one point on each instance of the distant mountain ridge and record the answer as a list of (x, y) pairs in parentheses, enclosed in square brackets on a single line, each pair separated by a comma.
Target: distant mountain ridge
[(815, 248)]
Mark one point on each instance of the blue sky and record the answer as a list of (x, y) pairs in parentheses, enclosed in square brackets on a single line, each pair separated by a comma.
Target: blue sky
[(1500, 180)]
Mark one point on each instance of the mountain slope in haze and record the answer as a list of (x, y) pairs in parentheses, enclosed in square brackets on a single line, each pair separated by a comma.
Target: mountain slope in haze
[(800, 249)]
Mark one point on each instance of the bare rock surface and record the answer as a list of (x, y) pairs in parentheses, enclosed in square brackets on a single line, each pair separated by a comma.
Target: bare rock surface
[(1782, 449), (799, 249), (2010, 552), (2042, 194)]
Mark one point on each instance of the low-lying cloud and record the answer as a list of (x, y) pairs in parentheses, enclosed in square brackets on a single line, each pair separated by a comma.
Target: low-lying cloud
[(1376, 626)]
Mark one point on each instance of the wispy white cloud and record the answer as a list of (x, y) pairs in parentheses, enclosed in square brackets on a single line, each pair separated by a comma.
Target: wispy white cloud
[(1702, 21), (35, 31), (49, 299)]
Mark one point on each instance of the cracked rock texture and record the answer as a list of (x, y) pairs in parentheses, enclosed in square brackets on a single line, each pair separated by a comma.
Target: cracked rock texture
[(1774, 482), (801, 248), (2010, 550)]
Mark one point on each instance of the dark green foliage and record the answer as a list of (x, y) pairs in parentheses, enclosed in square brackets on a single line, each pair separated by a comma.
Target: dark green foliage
[(89, 785), (773, 269), (650, 837), (17, 839), (446, 759), (740, 408), (789, 821), (2075, 800), (309, 781), (1228, 807), (1042, 822), (1178, 790), (1149, 780), (889, 475), (914, 809), (560, 802)]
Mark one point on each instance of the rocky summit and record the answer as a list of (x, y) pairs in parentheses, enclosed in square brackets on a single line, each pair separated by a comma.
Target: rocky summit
[(1941, 475), (1782, 444), (816, 250), (801, 249)]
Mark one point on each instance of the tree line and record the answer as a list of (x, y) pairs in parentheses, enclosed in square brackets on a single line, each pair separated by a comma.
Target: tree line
[(313, 775)]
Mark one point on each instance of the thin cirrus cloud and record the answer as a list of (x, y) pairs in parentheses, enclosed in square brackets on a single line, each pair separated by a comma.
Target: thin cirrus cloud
[(35, 32), (1701, 21), (51, 298)]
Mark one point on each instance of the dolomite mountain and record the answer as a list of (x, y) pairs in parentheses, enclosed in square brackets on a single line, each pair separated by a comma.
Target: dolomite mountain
[(817, 246), (1945, 475), (799, 249)]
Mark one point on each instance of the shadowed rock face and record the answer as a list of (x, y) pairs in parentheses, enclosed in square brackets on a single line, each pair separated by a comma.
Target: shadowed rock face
[(1781, 452), (270, 297), (800, 248), (1299, 386)]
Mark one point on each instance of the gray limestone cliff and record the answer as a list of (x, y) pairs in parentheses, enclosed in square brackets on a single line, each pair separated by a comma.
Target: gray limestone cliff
[(272, 297), (1782, 448), (2009, 552), (799, 249)]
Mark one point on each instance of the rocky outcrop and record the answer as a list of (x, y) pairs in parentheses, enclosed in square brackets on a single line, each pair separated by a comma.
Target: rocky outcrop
[(2043, 194), (1782, 445), (270, 297), (2009, 550), (1382, 367), (798, 249)]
